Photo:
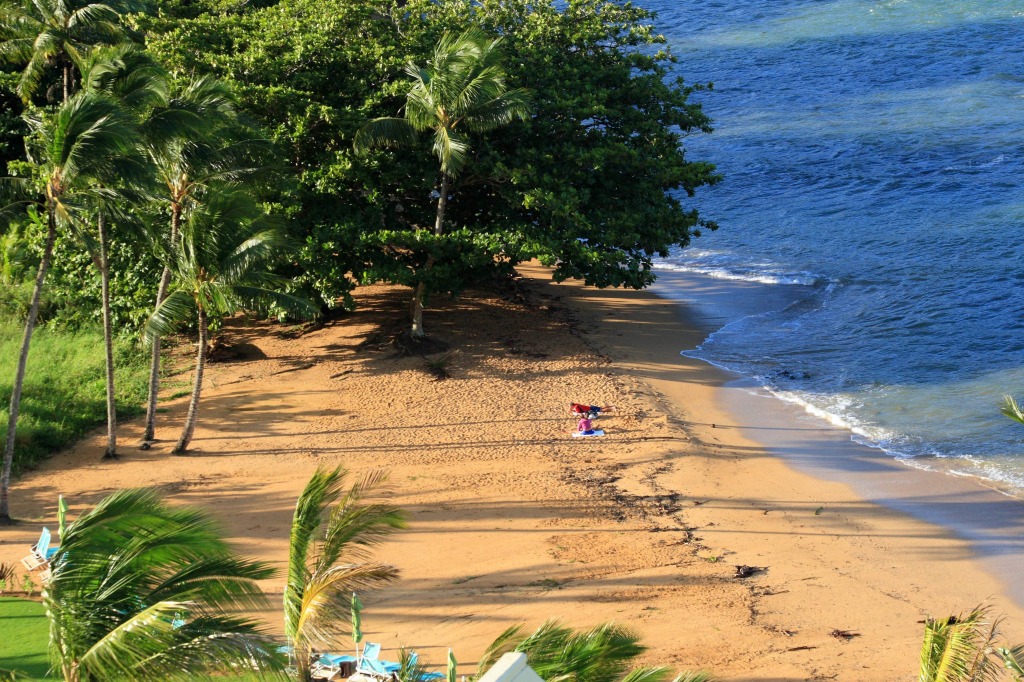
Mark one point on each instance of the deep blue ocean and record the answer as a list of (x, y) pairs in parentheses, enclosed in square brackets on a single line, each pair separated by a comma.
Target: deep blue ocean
[(873, 155)]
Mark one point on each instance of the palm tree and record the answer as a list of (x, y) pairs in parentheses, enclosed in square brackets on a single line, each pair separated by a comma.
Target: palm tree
[(75, 150), (322, 575), (137, 83), (215, 273), (44, 33), (958, 648), (461, 91), (601, 654), (141, 590), (187, 147)]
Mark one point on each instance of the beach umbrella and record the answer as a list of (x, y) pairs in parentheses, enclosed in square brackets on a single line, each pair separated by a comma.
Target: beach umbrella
[(452, 663), (357, 621), (62, 512)]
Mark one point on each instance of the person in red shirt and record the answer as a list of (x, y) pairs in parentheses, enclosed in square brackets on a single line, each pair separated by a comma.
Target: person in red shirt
[(593, 410)]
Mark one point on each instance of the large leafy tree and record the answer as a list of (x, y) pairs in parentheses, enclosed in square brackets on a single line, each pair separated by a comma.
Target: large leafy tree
[(75, 152), (596, 182), (461, 91), (328, 558), (220, 267), (141, 590)]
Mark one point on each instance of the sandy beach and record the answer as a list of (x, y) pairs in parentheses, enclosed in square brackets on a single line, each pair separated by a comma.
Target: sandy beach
[(512, 521)]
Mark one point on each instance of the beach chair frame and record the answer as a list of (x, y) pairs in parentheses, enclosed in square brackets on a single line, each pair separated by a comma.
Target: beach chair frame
[(39, 557)]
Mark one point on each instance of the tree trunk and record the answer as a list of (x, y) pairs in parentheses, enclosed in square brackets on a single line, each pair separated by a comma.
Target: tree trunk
[(108, 342), (417, 308), (19, 379), (193, 405), (154, 361), (67, 78), (421, 289)]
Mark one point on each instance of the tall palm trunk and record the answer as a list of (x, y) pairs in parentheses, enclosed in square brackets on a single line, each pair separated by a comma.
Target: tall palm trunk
[(154, 361), (193, 405), (19, 379), (108, 341), (421, 289)]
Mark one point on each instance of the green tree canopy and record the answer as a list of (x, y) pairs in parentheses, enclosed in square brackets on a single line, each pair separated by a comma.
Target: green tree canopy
[(596, 182)]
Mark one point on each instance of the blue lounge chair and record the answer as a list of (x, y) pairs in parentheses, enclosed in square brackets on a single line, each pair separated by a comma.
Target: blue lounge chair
[(371, 666), (41, 552)]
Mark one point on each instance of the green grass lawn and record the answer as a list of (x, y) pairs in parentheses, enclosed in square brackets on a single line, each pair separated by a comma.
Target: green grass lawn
[(23, 637), (25, 633), (65, 393)]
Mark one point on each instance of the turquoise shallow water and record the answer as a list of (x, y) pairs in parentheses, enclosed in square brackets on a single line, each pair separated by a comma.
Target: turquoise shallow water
[(874, 162)]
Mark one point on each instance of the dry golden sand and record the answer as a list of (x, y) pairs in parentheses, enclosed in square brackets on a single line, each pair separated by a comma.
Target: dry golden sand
[(512, 521)]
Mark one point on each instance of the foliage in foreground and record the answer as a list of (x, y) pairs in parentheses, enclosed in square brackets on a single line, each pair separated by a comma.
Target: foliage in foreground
[(64, 395), (141, 590), (602, 654), (962, 648), (328, 559)]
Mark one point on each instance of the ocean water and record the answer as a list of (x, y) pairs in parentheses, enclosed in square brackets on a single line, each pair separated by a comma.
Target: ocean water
[(873, 155)]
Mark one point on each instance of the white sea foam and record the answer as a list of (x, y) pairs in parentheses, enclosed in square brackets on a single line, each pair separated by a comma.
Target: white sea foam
[(766, 274)]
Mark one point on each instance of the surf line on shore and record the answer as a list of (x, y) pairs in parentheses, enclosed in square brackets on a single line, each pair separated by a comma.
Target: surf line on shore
[(989, 519)]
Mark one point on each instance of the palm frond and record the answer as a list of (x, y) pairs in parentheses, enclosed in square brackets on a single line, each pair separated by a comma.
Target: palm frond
[(328, 593), (504, 643), (320, 492), (693, 677), (354, 526), (557, 653), (124, 572), (654, 674), (384, 132), (956, 649), (451, 150), (1012, 410), (1013, 660), (259, 299), (172, 311)]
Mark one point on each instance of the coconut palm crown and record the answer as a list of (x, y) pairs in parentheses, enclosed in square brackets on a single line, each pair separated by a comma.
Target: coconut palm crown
[(77, 152), (332, 533), (461, 91), (217, 270), (141, 590), (42, 33)]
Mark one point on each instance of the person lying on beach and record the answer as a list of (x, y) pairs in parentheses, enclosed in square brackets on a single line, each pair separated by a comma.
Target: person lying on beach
[(592, 410)]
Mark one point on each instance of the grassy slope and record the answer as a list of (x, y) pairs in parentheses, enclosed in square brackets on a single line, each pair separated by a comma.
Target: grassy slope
[(64, 395)]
